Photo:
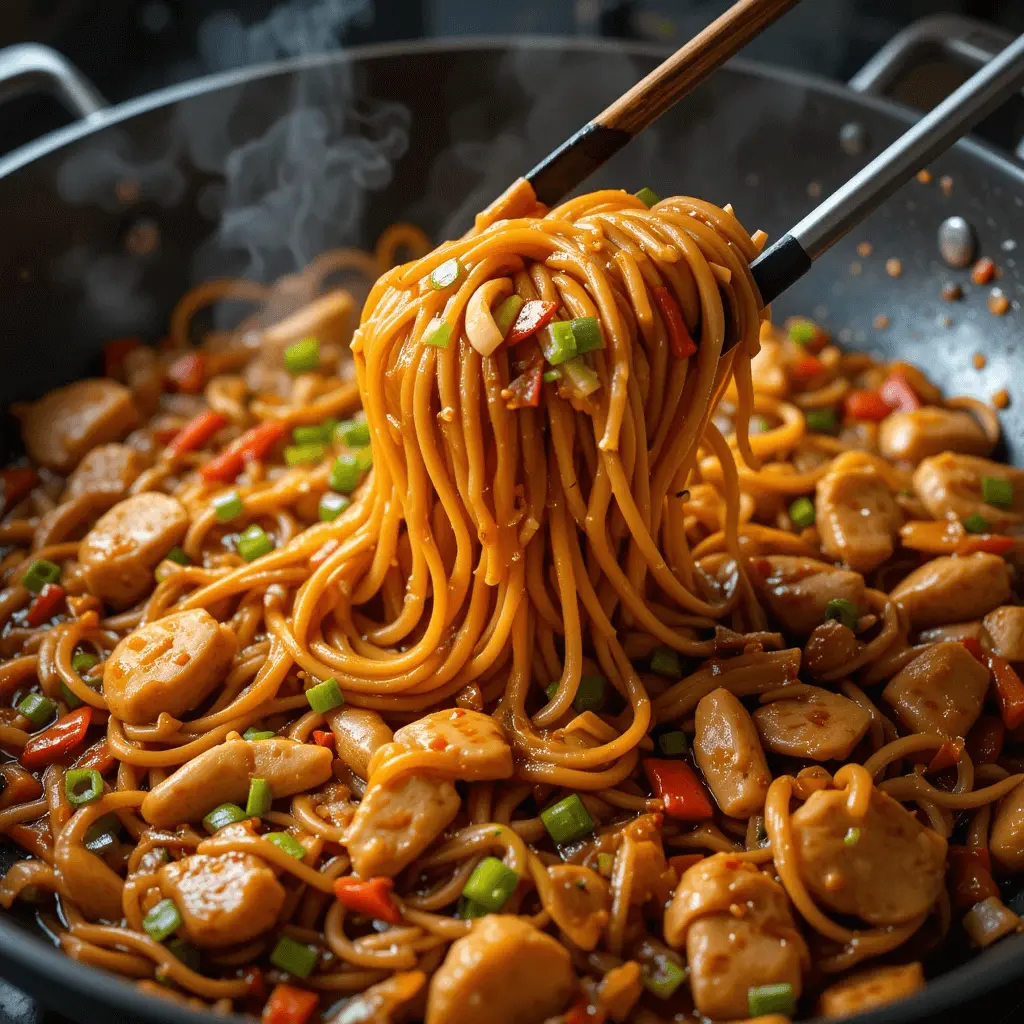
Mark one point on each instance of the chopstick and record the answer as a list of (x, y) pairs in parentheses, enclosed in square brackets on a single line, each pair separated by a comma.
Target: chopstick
[(785, 262), (561, 171)]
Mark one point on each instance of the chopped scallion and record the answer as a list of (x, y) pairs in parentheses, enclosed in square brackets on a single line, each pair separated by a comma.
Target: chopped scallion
[(673, 744), (666, 662), (325, 696), (801, 512), (843, 611), (558, 342), (304, 454), (253, 733), (605, 861), (303, 356), (37, 708), (82, 661), (39, 573), (286, 842), (663, 977), (852, 837), (348, 469), (586, 332), (551, 689), (469, 911), (254, 543), (590, 694), (293, 957), (438, 334), (162, 921), (491, 884), (310, 435), (83, 786), (976, 523), (821, 421), (260, 798), (355, 433), (446, 274), (332, 505), (552, 375), (506, 313), (219, 817), (763, 1000), (178, 556), (228, 506), (996, 491), (648, 197), (568, 820), (802, 331)]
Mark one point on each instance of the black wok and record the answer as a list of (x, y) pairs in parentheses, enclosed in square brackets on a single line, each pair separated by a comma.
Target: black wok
[(84, 259)]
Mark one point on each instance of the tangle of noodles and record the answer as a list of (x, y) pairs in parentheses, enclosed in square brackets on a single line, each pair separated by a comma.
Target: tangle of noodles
[(577, 591)]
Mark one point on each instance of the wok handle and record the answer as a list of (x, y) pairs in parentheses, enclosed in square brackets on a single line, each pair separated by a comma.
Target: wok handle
[(32, 67)]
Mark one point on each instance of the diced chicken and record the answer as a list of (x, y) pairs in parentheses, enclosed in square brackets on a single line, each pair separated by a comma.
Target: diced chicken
[(475, 743), (950, 485), (891, 872), (768, 371), (942, 690), (397, 820), (736, 924), (223, 900), (954, 631), (814, 723), (1005, 628), (870, 989), (1006, 841), (222, 774), (797, 589), (120, 553), (953, 588), (391, 1001), (505, 971), (580, 903), (172, 665), (729, 754), (857, 517), (64, 424), (106, 472), (830, 646), (620, 990), (358, 734), (913, 436)]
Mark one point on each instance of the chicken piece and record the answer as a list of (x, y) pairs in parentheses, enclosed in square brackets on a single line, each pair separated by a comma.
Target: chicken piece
[(64, 424), (391, 1001), (892, 872), (397, 820), (953, 588), (620, 990), (814, 723), (857, 517), (106, 472), (172, 665), (797, 589), (942, 690), (222, 774), (830, 646), (729, 754), (1005, 628), (358, 734), (120, 553), (870, 989), (143, 373), (1006, 840), (505, 971), (581, 900), (474, 743), (950, 485), (736, 924), (954, 631), (913, 436), (224, 900), (768, 371)]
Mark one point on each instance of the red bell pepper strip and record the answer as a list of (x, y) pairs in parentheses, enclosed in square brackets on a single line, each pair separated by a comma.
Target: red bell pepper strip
[(323, 738), (583, 1012), (1008, 687), (97, 756), (525, 389), (683, 346), (679, 788), (114, 354), (985, 740), (969, 875), (17, 485), (45, 606), (861, 404), (289, 1005), (947, 755), (252, 445), (196, 433), (188, 373), (372, 897), (60, 739), (990, 543), (806, 368), (534, 315), (897, 393)]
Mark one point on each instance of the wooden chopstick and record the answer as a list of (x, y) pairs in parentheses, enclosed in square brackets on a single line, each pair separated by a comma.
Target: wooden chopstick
[(561, 171)]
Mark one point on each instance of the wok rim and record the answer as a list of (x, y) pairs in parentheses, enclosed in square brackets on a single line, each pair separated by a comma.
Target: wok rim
[(30, 960)]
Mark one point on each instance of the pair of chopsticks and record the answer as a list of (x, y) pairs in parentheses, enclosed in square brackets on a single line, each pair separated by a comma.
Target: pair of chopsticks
[(788, 259)]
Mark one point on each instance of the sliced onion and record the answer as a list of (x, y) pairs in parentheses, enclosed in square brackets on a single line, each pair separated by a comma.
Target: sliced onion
[(481, 329), (990, 920)]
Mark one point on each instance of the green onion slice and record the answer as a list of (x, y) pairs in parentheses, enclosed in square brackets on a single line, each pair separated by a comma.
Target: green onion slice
[(252, 733), (303, 356), (558, 342), (348, 469), (663, 977), (996, 491), (260, 798), (506, 313), (83, 786), (568, 820), (438, 334), (550, 376), (766, 999), (332, 505), (648, 196), (288, 843), (325, 696), (355, 433), (446, 274), (219, 817), (590, 695), (491, 884), (39, 573), (976, 523), (821, 421), (254, 543), (852, 837), (802, 512), (228, 506), (843, 611), (673, 744), (162, 921), (586, 332), (304, 454), (293, 957), (37, 708), (666, 662)]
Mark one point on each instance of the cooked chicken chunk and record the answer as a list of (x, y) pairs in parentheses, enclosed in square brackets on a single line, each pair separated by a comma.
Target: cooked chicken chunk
[(797, 589), (814, 723), (504, 971), (106, 472), (950, 484), (120, 553), (580, 905), (830, 646), (391, 1001), (475, 743), (871, 988), (953, 589), (223, 900), (913, 436), (893, 871), (857, 517), (729, 754), (64, 424), (172, 665), (1005, 628), (358, 734), (1006, 841), (942, 690)]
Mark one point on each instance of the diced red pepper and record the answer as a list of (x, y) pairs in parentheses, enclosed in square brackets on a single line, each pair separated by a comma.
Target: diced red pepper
[(17, 484), (45, 606), (323, 738), (1009, 689), (985, 740), (683, 346), (983, 271), (897, 393), (197, 433), (60, 739), (526, 389), (114, 354), (253, 977), (990, 543), (188, 373), (684, 797), (289, 1005), (97, 756), (371, 896), (806, 368), (861, 404), (534, 315), (974, 647), (583, 1012), (947, 755), (683, 862), (970, 876), (252, 445)]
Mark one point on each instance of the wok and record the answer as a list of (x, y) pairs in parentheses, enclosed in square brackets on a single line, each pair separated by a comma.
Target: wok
[(109, 221)]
